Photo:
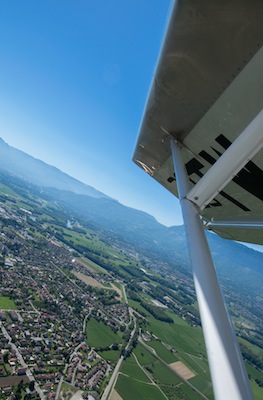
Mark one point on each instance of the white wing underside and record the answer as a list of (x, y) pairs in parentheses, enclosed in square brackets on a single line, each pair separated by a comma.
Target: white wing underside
[(207, 89)]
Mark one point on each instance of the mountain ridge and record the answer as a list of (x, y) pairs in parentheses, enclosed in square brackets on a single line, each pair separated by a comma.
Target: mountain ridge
[(36, 171)]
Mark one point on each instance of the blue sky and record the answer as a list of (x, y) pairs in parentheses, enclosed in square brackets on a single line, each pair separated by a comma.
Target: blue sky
[(74, 80)]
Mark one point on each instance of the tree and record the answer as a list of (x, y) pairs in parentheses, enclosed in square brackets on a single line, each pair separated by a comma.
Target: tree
[(6, 356)]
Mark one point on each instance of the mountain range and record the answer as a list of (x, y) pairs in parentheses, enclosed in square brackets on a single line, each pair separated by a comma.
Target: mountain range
[(22, 165), (235, 263)]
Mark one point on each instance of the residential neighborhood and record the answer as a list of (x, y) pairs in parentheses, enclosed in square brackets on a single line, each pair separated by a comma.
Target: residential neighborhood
[(43, 334)]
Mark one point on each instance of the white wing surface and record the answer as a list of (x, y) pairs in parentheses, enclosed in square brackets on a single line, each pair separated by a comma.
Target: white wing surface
[(206, 93)]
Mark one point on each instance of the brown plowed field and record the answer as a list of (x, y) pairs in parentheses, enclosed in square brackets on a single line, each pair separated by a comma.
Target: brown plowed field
[(182, 370)]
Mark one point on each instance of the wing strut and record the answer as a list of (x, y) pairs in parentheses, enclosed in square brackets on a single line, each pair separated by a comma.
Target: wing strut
[(227, 368)]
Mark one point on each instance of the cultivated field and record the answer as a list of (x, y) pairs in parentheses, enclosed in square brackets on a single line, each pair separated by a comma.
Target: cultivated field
[(88, 279), (12, 380), (92, 266), (131, 389), (132, 369), (182, 370), (115, 395), (100, 335)]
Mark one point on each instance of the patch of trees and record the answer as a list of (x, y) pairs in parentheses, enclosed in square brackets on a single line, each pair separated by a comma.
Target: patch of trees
[(11, 222), (78, 230), (133, 295), (259, 382), (45, 304), (18, 391), (6, 357), (157, 312), (133, 286), (3, 198), (174, 392), (133, 271), (163, 282), (253, 340), (107, 297), (166, 288), (114, 347), (251, 357)]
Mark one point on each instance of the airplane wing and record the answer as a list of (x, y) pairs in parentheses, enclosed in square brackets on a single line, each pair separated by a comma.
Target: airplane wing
[(207, 92)]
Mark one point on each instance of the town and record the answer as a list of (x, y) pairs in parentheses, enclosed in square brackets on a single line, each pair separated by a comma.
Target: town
[(43, 340)]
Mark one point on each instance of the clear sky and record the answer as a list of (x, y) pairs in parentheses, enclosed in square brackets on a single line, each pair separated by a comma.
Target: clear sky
[(74, 79)]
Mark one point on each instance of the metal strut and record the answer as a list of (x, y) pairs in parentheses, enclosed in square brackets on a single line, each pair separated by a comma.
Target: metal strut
[(229, 377)]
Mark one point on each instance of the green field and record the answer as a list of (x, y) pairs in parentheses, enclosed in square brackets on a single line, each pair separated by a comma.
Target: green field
[(160, 371), (257, 391), (100, 335), (130, 389), (255, 349), (94, 243), (143, 356), (254, 373), (202, 384), (7, 304), (131, 368), (181, 392), (93, 265), (167, 355), (137, 306), (163, 374), (197, 364), (180, 335), (110, 355), (5, 189)]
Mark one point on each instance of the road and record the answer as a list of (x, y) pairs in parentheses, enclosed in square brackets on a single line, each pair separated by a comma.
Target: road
[(113, 378), (124, 294), (111, 383), (61, 381), (34, 308), (85, 320)]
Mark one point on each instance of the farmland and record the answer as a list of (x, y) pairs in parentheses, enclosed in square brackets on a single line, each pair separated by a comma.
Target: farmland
[(100, 335), (130, 389)]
